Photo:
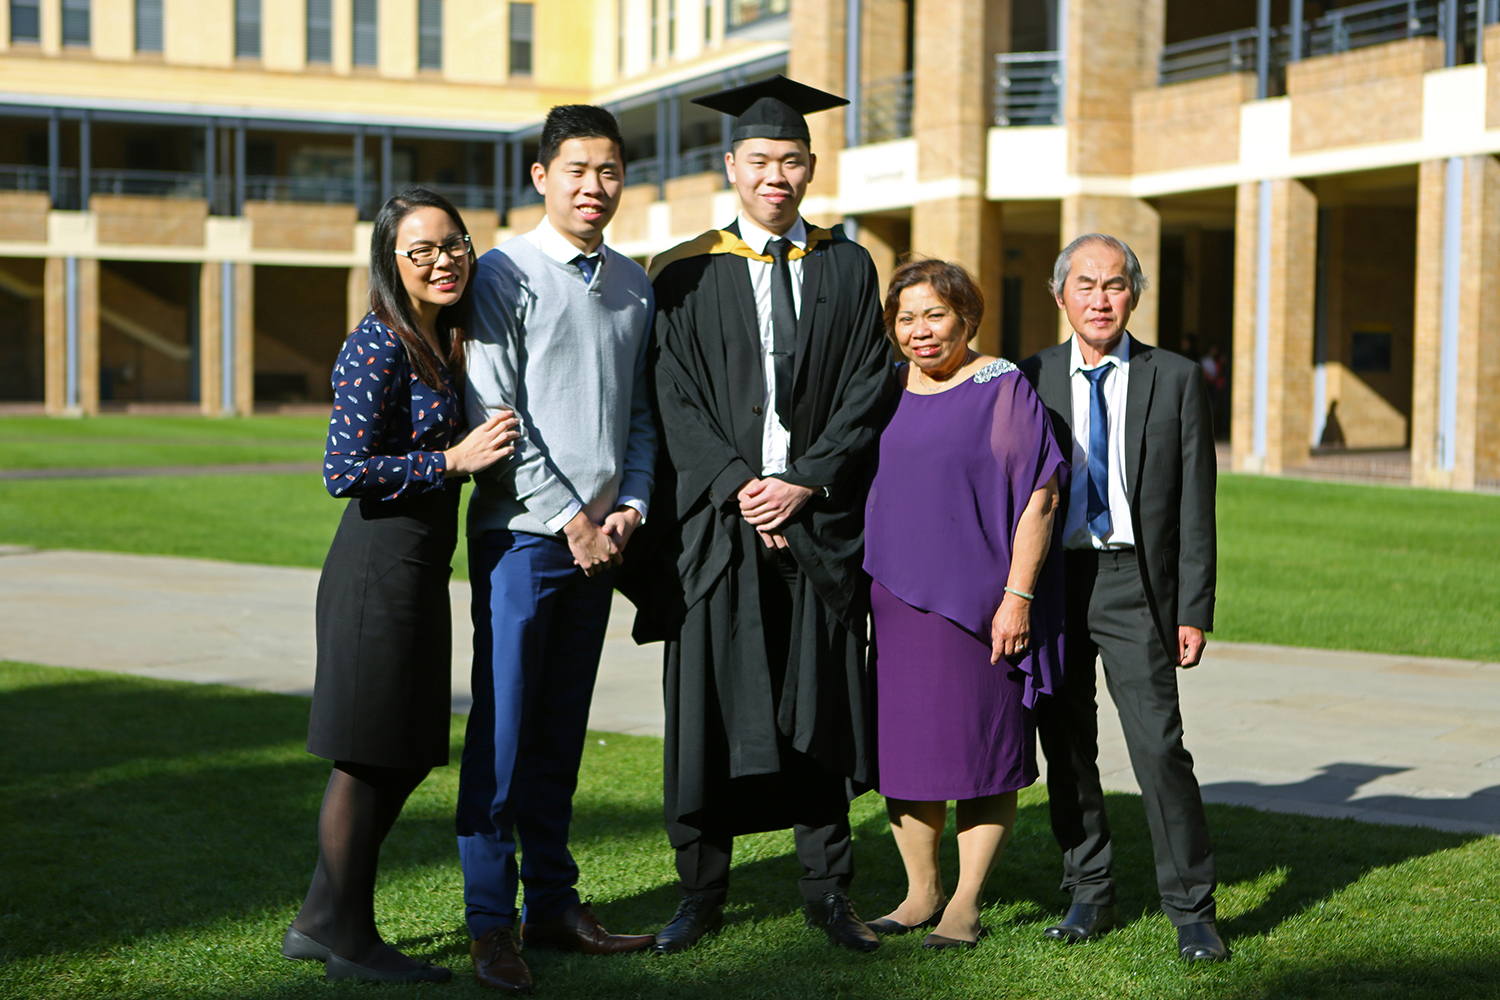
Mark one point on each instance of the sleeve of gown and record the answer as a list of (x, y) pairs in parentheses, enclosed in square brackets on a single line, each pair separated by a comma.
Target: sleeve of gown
[(359, 460), (848, 439), (702, 451)]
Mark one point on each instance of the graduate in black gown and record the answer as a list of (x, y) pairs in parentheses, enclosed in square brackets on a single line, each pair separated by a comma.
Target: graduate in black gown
[(772, 377)]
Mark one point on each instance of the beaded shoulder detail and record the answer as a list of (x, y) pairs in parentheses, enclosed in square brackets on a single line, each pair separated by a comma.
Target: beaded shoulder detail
[(994, 369)]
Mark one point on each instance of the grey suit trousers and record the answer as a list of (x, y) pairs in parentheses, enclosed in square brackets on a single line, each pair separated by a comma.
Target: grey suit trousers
[(1108, 617)]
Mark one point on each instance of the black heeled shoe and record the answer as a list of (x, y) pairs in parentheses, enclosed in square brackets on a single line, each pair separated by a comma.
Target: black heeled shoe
[(885, 926), (301, 948), (937, 942)]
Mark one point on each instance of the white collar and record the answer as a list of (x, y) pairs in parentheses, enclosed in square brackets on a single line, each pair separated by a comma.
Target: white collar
[(1119, 356), (756, 238), (557, 246)]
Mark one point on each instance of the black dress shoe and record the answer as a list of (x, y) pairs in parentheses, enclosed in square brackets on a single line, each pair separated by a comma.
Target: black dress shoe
[(937, 942), (342, 968), (886, 926), (301, 948), (1082, 922), (835, 915), (695, 917), (498, 964), (1200, 942)]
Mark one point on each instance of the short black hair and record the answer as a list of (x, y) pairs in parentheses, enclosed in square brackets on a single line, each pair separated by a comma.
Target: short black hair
[(577, 121)]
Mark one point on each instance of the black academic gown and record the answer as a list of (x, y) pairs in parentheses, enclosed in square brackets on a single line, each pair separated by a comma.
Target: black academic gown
[(730, 714)]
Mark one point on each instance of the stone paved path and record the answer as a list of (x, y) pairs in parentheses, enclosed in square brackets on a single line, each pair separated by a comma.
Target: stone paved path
[(1383, 738)]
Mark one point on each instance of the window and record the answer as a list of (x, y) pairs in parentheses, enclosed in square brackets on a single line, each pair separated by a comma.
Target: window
[(25, 21), (320, 31), (247, 29), (708, 21), (620, 37), (655, 30), (430, 34), (75, 22), (671, 27), (521, 37), (365, 51), (740, 13), (148, 25)]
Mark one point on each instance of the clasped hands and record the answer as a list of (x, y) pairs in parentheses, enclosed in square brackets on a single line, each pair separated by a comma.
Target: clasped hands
[(767, 504), (596, 547)]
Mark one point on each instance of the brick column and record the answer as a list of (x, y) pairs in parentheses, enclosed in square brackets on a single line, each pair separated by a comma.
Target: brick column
[(1139, 226), (60, 309), (951, 218), (358, 297), (817, 59), (1472, 310), (1112, 50), (1273, 325), (54, 336), (210, 339)]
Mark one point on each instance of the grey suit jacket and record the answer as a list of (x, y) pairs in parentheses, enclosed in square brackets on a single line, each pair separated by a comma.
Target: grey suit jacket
[(1170, 475)]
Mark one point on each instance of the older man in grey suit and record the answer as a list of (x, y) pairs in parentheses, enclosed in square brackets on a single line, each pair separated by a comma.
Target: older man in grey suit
[(1139, 557)]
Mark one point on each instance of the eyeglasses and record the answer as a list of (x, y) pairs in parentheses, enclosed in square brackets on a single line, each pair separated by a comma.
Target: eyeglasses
[(423, 256)]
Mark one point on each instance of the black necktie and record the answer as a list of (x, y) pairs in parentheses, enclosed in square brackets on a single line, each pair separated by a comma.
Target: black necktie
[(783, 327)]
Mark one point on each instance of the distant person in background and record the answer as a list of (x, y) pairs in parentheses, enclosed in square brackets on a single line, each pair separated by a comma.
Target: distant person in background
[(396, 448), (1140, 556), (966, 598)]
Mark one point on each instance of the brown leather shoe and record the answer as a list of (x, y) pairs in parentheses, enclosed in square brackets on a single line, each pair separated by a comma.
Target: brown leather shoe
[(498, 964), (579, 930)]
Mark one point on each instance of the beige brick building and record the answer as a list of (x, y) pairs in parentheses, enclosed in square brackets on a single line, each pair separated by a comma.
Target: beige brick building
[(1312, 185)]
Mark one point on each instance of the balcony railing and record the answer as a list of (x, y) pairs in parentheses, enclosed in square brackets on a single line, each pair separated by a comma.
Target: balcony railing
[(698, 160), (152, 183), (885, 110), (1028, 88), (1339, 30)]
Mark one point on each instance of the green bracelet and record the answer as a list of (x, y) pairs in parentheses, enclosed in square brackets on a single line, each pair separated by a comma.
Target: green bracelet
[(1020, 593)]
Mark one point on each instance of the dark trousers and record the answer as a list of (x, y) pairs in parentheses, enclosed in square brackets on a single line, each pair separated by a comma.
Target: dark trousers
[(820, 800), (538, 631), (1108, 618)]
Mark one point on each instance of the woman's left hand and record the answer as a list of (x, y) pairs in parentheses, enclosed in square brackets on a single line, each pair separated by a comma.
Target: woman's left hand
[(1010, 631)]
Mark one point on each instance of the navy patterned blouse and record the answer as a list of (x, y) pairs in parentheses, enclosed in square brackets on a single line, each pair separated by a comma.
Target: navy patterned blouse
[(389, 429)]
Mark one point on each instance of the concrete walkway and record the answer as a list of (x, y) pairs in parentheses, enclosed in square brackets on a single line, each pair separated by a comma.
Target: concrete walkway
[(1387, 739)]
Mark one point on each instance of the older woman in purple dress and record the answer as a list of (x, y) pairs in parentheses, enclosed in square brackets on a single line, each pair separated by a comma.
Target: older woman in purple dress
[(966, 596)]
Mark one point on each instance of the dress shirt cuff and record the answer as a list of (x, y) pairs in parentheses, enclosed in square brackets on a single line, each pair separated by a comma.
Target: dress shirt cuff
[(635, 504), (560, 520)]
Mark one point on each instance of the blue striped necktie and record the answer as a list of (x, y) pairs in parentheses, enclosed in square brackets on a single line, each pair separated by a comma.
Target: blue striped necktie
[(1098, 509)]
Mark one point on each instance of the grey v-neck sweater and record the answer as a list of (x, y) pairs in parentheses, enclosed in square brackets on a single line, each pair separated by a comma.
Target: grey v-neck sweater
[(570, 359)]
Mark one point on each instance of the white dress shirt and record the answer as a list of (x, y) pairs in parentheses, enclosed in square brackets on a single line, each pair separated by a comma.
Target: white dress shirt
[(1076, 533), (557, 246), (775, 439)]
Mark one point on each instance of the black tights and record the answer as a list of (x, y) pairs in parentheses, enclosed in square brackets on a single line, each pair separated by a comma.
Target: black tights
[(359, 808)]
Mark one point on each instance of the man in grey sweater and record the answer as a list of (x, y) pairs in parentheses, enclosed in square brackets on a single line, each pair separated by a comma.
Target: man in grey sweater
[(560, 327)]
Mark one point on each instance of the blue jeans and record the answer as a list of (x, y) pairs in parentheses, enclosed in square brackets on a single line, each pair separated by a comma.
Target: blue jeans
[(538, 631)]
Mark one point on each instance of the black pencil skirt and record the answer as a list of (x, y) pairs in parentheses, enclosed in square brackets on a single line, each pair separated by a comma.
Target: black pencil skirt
[(383, 693)]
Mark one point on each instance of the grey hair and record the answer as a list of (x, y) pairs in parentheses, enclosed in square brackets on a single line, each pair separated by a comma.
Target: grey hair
[(1133, 273)]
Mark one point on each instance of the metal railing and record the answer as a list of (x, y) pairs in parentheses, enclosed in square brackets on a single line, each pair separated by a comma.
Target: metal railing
[(1340, 30), (1028, 88), (323, 190), (464, 195), (14, 177), (698, 160), (1229, 52), (885, 109), (151, 183)]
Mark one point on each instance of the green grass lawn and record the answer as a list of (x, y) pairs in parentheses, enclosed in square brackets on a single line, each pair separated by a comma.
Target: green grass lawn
[(156, 839), (140, 441), (1300, 563)]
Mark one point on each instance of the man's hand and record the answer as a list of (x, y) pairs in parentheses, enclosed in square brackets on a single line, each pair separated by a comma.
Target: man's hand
[(767, 503), (593, 550), (772, 539), (1190, 643), (620, 525)]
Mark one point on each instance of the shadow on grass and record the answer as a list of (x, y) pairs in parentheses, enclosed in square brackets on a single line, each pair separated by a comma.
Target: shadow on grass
[(150, 818)]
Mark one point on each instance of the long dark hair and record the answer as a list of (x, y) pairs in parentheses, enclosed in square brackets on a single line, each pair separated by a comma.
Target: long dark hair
[(391, 303)]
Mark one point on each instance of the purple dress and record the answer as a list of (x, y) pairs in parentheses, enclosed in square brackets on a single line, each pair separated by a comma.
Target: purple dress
[(957, 469)]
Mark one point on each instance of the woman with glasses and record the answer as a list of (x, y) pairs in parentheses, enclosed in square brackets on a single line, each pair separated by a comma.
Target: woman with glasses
[(397, 450)]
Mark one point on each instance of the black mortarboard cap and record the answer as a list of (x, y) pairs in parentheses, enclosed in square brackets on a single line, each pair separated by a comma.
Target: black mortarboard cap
[(770, 109)]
